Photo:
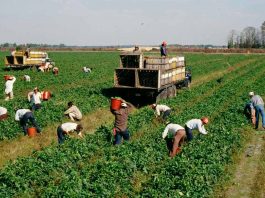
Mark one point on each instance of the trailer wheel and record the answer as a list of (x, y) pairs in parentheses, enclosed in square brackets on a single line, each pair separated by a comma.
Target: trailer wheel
[(162, 95), (171, 92)]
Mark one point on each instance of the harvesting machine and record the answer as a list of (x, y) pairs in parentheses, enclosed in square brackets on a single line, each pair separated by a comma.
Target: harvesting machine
[(20, 59)]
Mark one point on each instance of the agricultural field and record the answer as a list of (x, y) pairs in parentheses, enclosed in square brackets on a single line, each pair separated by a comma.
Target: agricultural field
[(92, 166)]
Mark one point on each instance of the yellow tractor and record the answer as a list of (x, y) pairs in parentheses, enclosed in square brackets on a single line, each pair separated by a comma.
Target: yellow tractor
[(26, 59)]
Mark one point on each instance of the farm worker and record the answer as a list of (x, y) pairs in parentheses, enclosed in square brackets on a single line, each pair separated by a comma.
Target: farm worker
[(26, 78), (27, 52), (3, 113), (45, 67), (250, 113), (9, 87), (257, 104), (13, 52), (163, 49), (161, 109), (120, 125), (24, 116), (35, 98), (195, 124), (55, 70), (87, 70), (65, 128), (73, 112), (173, 134), (136, 49), (188, 78)]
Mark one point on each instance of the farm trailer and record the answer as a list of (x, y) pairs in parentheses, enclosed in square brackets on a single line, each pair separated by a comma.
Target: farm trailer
[(18, 59), (149, 77)]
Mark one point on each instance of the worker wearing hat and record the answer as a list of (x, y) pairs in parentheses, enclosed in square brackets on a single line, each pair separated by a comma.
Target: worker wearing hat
[(163, 49), (257, 104), (35, 98), (195, 124), (120, 125)]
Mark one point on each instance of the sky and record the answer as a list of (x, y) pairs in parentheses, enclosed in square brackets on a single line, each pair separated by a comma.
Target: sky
[(126, 22)]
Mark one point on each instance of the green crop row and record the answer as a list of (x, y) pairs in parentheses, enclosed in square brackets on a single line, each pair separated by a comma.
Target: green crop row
[(140, 168)]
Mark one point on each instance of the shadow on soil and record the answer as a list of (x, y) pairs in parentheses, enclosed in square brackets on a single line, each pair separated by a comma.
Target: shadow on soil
[(137, 101)]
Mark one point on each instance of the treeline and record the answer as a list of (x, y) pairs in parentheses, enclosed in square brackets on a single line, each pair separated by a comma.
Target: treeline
[(249, 37)]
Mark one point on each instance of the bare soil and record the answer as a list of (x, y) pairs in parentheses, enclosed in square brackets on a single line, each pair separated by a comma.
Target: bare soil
[(249, 176)]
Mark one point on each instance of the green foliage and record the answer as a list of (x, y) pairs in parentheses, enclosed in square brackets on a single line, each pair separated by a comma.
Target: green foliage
[(141, 167)]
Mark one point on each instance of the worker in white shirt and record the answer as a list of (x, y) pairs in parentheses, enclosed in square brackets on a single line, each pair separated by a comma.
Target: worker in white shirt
[(257, 104), (195, 124), (3, 113), (87, 70), (26, 78), (24, 116), (35, 98), (9, 87), (73, 112), (66, 128), (173, 134), (163, 110)]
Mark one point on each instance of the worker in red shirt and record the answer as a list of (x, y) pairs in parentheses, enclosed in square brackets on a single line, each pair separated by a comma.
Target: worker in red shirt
[(121, 119)]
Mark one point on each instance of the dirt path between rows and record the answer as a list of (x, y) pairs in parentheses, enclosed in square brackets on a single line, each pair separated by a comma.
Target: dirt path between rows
[(249, 177), (23, 145)]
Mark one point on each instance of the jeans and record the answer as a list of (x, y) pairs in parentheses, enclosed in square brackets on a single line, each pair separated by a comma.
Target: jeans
[(36, 106), (61, 135), (260, 110), (166, 114), (29, 117), (188, 133), (170, 142), (121, 134)]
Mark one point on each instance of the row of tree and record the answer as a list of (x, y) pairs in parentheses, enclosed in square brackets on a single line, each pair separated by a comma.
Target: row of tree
[(249, 37)]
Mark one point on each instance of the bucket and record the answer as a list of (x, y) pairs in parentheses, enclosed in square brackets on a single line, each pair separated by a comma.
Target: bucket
[(46, 95), (115, 103), (6, 77), (32, 131)]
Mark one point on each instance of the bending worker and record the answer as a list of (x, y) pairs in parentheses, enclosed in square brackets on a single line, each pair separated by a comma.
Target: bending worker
[(120, 125), (173, 134), (161, 109), (24, 116), (3, 113), (66, 128), (257, 104), (73, 112), (195, 124)]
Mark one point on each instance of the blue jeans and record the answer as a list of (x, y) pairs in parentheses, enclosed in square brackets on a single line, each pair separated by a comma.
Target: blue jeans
[(260, 110), (121, 134), (166, 114), (60, 135), (29, 117), (188, 133), (36, 106)]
